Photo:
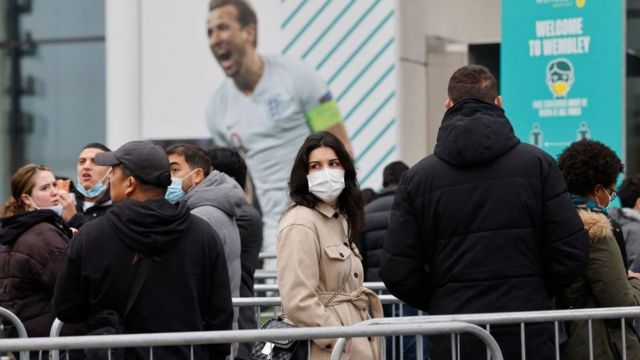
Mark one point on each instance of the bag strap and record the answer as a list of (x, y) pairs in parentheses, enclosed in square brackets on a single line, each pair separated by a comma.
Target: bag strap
[(343, 285), (141, 274)]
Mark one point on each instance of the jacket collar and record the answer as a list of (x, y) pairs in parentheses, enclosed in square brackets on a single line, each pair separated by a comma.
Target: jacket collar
[(327, 210)]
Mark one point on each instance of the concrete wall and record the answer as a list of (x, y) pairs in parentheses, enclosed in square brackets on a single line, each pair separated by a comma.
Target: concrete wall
[(434, 35)]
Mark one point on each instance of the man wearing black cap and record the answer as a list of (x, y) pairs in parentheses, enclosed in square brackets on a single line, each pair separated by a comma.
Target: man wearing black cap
[(187, 271)]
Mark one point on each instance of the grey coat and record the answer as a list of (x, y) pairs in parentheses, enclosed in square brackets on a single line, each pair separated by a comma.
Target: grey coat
[(216, 200), (629, 219)]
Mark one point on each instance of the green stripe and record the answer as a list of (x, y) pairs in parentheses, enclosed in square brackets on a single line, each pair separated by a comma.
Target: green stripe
[(375, 112), (293, 14), (328, 29), (366, 95), (306, 26), (382, 161), (346, 35), (357, 51), (376, 139)]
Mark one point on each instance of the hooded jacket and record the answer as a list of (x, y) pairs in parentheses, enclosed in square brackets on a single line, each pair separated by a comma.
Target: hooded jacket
[(604, 284), (483, 225), (629, 220), (33, 249), (376, 221), (188, 272), (217, 200)]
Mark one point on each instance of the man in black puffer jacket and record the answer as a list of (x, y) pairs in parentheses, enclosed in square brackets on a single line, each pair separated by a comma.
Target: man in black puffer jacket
[(483, 225)]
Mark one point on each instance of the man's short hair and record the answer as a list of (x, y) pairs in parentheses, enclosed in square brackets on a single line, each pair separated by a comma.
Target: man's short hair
[(246, 14), (473, 82), (230, 162), (96, 145), (193, 155), (392, 173), (629, 191)]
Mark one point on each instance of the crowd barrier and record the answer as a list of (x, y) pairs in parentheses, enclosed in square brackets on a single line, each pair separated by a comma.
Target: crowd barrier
[(521, 318), (435, 324), (20, 329), (191, 339)]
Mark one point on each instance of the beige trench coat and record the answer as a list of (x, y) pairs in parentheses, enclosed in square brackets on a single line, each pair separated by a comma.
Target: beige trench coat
[(314, 257)]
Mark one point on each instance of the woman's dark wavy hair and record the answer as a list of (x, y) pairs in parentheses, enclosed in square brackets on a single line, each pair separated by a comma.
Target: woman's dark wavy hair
[(349, 202), (587, 163)]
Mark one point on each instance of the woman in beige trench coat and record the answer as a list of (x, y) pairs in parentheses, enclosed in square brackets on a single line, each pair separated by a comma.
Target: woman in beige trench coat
[(320, 271)]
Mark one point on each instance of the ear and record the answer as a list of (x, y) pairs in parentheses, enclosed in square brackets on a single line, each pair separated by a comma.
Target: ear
[(498, 101), (198, 176), (448, 104), (25, 199), (637, 204), (130, 186), (250, 32)]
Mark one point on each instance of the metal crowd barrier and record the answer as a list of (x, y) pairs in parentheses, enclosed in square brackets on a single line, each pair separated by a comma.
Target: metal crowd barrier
[(225, 337), (262, 288), (521, 318), (20, 329)]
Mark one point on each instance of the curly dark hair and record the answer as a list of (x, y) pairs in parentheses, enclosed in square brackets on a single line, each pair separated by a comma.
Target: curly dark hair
[(350, 202), (629, 191), (586, 164)]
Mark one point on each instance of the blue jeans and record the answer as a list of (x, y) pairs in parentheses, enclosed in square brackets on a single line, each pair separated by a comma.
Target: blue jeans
[(408, 342)]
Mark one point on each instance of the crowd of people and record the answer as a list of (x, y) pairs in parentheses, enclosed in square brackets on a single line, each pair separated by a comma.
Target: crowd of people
[(161, 240)]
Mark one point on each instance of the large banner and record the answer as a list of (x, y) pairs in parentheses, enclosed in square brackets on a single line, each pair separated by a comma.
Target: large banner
[(562, 71)]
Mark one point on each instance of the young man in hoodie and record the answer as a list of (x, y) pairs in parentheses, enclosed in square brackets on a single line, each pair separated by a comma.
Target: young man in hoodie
[(485, 224), (629, 219), (187, 269), (211, 195)]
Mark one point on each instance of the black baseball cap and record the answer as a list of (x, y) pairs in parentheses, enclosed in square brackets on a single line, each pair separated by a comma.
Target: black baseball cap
[(145, 160)]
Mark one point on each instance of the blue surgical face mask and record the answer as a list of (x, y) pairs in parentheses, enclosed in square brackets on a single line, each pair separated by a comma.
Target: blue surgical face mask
[(98, 189), (56, 208), (174, 191)]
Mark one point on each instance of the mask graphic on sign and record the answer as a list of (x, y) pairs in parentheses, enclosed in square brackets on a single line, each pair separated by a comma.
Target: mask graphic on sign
[(560, 77)]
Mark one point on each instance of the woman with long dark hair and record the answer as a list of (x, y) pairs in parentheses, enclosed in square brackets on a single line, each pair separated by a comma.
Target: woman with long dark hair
[(320, 273), (34, 240)]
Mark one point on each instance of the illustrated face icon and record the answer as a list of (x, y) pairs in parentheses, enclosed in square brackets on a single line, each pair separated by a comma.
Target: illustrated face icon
[(560, 77)]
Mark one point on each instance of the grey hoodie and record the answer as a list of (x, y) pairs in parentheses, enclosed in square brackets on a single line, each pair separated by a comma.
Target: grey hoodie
[(629, 220), (216, 200)]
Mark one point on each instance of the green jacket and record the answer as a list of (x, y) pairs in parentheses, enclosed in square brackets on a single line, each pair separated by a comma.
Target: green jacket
[(604, 284)]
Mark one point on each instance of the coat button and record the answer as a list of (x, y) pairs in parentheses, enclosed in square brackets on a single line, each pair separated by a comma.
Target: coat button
[(355, 275), (345, 243), (328, 347), (341, 255)]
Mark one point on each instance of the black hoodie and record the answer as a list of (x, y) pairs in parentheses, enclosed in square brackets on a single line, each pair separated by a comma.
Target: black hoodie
[(483, 225), (186, 288)]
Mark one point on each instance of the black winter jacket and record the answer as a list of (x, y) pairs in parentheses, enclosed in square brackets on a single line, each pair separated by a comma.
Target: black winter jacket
[(377, 214), (82, 216), (484, 225), (186, 288)]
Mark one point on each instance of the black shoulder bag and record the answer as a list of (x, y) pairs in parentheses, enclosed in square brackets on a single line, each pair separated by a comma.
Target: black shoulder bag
[(108, 322)]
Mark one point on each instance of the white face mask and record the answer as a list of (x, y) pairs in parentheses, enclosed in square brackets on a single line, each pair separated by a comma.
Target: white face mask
[(56, 208), (326, 184)]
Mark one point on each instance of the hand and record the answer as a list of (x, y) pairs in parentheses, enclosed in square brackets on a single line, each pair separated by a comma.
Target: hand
[(74, 232), (68, 202), (631, 274)]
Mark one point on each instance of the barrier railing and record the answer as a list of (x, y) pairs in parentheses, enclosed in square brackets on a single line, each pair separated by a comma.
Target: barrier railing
[(262, 288), (521, 318), (20, 329), (224, 337)]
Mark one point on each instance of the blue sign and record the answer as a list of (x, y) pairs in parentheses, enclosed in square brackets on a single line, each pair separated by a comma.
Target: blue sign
[(562, 71)]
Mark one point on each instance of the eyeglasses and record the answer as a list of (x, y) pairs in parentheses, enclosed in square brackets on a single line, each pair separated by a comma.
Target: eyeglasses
[(613, 194)]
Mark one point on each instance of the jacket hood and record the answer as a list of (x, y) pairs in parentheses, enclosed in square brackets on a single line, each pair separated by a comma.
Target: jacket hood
[(474, 132), (16, 225), (625, 215), (149, 227), (597, 224), (217, 190)]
